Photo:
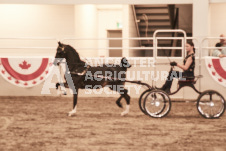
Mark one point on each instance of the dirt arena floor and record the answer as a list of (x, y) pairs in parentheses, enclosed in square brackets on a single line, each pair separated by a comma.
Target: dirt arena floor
[(41, 123)]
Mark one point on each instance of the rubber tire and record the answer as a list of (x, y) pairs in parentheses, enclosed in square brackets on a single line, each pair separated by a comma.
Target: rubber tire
[(204, 93), (163, 107), (141, 102)]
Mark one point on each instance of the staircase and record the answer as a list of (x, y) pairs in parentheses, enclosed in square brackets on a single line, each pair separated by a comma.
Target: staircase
[(156, 17)]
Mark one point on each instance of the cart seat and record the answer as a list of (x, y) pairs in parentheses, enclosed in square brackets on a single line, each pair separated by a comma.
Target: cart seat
[(189, 80)]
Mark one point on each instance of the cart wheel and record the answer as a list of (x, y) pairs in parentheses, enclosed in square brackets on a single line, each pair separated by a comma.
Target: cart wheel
[(157, 103), (141, 100), (211, 104)]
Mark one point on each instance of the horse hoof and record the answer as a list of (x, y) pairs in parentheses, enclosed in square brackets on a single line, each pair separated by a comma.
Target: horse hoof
[(124, 113), (119, 104), (71, 113)]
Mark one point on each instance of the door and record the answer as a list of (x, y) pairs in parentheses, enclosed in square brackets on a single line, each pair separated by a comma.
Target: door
[(115, 43)]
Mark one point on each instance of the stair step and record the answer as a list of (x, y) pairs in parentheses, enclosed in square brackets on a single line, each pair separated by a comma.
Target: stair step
[(150, 23), (153, 28), (151, 11), (150, 34), (151, 7), (153, 14), (182, 35), (162, 34), (156, 20), (154, 6), (160, 42), (154, 17), (151, 45)]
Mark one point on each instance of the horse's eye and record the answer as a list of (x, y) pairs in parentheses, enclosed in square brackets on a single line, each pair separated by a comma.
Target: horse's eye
[(59, 50)]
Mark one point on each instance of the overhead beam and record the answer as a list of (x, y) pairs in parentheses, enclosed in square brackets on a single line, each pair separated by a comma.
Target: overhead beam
[(96, 2), (135, 2), (217, 1)]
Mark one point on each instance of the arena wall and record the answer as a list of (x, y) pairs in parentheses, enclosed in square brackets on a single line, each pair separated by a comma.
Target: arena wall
[(62, 21), (217, 22), (37, 20), (137, 72)]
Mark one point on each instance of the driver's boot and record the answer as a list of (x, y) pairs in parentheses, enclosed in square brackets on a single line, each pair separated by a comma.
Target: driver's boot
[(166, 87)]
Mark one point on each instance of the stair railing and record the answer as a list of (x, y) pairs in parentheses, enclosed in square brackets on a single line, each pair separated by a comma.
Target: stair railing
[(145, 18), (174, 20), (136, 24)]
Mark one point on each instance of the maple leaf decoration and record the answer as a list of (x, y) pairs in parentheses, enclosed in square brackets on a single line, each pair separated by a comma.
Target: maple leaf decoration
[(24, 65)]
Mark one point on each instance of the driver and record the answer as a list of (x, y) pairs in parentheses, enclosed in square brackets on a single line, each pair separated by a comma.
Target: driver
[(188, 68)]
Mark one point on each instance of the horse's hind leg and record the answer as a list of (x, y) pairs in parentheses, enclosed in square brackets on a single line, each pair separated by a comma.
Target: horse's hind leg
[(75, 99), (118, 101), (127, 97), (124, 93)]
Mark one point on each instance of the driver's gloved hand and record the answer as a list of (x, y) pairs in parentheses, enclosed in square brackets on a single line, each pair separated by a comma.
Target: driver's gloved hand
[(173, 63)]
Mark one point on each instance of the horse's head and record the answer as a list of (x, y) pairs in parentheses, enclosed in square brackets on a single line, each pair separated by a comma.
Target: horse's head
[(67, 52), (60, 53), (124, 63)]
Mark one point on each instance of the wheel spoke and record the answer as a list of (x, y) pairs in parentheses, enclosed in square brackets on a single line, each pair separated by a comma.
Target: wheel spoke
[(211, 104), (157, 103)]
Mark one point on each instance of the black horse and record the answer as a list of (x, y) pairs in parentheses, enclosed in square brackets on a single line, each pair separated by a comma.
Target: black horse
[(91, 77)]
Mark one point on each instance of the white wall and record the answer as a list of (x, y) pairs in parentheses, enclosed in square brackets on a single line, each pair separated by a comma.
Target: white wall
[(217, 23), (85, 22), (200, 21), (37, 20), (91, 22), (57, 21), (132, 33), (217, 20), (99, 1), (34, 21), (68, 21), (129, 30), (108, 16)]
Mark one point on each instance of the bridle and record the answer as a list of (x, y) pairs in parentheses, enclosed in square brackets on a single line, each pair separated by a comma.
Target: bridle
[(62, 49)]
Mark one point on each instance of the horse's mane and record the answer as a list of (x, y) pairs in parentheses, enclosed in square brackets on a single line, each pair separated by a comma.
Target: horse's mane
[(70, 48)]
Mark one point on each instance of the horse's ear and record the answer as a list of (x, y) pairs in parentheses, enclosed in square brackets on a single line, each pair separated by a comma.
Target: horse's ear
[(59, 43)]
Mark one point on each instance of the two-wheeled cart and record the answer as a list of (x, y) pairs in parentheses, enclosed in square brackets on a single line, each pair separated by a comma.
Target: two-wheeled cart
[(157, 103)]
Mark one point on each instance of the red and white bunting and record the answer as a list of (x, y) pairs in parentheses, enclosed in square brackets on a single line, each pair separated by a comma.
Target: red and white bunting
[(217, 69), (25, 72)]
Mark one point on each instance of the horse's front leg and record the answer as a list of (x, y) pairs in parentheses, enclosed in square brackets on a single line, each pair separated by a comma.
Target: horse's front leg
[(60, 91), (124, 94), (75, 98)]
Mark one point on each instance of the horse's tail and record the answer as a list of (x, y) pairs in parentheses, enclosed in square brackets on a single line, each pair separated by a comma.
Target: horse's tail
[(124, 63)]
